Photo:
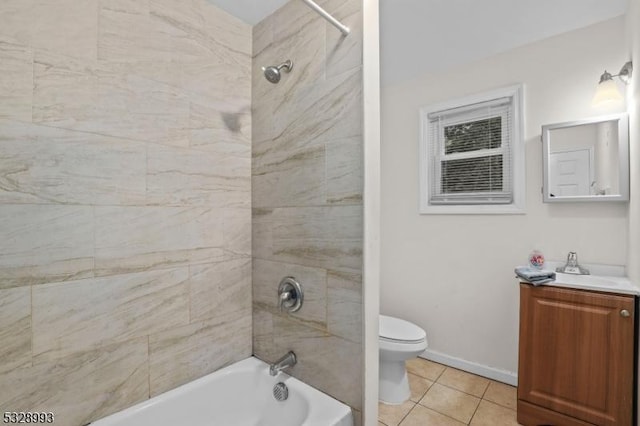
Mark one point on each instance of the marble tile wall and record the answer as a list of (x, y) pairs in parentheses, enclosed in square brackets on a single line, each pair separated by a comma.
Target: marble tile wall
[(307, 181), (125, 201)]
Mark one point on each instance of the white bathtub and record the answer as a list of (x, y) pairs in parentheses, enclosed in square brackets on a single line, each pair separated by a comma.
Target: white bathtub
[(238, 395)]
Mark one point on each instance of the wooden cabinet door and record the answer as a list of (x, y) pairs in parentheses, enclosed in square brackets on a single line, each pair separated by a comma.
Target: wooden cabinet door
[(577, 353)]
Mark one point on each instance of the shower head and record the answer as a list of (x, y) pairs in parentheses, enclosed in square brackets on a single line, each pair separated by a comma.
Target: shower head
[(273, 74)]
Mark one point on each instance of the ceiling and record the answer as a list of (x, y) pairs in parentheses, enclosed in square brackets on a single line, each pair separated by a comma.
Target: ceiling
[(420, 36)]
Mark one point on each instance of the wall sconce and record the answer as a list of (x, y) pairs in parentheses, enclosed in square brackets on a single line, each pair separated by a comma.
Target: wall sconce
[(607, 90)]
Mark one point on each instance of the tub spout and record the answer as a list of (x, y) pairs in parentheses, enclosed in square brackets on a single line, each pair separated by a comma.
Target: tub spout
[(289, 360)]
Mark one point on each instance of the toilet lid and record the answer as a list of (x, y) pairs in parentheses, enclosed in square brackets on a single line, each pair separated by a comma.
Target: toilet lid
[(400, 330)]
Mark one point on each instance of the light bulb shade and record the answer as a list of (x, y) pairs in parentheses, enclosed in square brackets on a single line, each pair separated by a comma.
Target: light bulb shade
[(606, 92)]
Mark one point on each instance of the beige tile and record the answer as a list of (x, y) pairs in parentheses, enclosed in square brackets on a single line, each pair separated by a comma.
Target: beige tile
[(345, 53), (186, 353), (344, 305), (289, 178), (345, 171), (266, 278), (44, 165), (45, 243), (15, 328), (83, 387), (263, 335), (425, 368), (450, 402), (84, 315), (262, 36), (220, 290), (421, 416), (130, 239), (236, 233), (187, 177), (489, 414), (502, 394), (392, 415), (16, 88), (329, 363), (225, 128), (463, 381), (419, 386), (64, 26), (325, 237)]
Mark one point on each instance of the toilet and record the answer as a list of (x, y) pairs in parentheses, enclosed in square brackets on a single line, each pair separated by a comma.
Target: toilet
[(399, 341)]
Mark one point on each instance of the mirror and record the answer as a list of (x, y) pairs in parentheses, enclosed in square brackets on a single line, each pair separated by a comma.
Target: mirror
[(586, 160)]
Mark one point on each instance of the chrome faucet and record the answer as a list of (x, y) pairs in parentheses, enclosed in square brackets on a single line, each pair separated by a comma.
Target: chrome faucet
[(572, 266), (289, 360)]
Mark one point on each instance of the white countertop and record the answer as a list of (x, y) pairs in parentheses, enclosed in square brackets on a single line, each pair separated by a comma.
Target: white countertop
[(605, 278)]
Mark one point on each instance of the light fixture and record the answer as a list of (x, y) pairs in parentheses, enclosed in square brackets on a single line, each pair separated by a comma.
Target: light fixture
[(607, 90)]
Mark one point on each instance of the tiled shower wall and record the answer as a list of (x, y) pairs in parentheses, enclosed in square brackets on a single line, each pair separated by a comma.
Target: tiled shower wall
[(125, 162), (307, 176)]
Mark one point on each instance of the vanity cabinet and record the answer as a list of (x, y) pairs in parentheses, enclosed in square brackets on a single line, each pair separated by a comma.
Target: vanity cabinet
[(576, 357)]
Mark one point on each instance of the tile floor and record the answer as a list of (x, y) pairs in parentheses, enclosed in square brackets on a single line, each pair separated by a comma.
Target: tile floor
[(444, 396)]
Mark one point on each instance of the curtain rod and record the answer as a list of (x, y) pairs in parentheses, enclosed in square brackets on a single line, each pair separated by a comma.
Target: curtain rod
[(343, 28)]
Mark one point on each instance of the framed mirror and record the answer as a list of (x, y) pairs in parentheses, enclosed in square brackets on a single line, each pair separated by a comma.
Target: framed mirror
[(586, 160)]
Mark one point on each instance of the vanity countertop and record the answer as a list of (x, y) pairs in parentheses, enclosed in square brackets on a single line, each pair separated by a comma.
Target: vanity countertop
[(608, 284), (605, 278)]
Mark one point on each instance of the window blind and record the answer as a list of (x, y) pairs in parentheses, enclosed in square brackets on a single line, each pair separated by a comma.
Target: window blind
[(471, 153)]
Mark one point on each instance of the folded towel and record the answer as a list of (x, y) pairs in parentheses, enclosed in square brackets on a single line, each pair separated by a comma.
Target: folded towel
[(535, 276)]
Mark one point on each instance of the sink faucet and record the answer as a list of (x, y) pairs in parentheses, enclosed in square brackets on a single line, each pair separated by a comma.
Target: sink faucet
[(289, 360), (572, 266)]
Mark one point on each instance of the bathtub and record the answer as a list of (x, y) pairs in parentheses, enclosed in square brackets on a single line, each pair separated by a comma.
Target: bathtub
[(238, 395)]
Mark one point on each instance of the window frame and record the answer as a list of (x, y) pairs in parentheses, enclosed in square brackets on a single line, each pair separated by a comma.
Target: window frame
[(516, 206)]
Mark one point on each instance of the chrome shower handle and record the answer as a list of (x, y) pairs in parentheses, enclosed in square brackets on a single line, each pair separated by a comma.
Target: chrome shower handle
[(290, 295)]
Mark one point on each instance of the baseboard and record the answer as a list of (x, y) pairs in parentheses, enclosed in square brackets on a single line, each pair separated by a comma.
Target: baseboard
[(496, 374)]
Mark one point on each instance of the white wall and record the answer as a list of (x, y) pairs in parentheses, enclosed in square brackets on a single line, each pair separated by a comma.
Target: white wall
[(453, 275), (633, 93)]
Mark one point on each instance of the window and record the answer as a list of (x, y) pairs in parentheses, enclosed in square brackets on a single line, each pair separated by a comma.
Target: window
[(472, 155)]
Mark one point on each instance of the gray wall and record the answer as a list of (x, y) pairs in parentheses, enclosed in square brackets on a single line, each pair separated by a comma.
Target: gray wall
[(307, 178), (125, 146)]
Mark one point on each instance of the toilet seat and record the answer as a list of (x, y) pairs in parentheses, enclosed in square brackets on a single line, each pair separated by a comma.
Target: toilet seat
[(396, 330)]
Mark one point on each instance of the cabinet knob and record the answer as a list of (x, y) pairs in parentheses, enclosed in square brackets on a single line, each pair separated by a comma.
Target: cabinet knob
[(624, 313)]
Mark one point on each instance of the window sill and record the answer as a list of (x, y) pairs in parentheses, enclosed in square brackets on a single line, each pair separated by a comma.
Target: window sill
[(497, 209)]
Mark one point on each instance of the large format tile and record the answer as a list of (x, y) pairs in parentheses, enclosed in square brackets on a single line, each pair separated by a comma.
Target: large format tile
[(110, 99), (47, 165), (425, 368), (65, 26), (502, 394), (325, 237), (236, 233), (139, 238), (418, 386), (344, 305), (289, 178), (178, 176), (15, 328), (87, 314), (186, 353), (83, 387), (267, 276), (464, 382), (224, 128), (489, 414), (392, 415), (45, 243), (329, 363), (220, 290), (421, 416), (309, 117), (450, 402), (16, 86), (345, 171)]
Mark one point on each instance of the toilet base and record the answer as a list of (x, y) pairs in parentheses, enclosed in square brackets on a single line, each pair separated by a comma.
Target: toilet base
[(393, 385)]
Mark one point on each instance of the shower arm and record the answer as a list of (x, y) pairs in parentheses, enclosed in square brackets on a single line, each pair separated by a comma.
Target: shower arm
[(333, 21)]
